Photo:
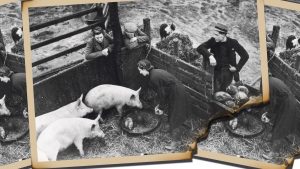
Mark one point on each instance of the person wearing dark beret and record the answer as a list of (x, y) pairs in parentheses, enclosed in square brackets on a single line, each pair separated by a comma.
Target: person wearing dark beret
[(171, 93), (282, 114), (221, 51), (133, 36)]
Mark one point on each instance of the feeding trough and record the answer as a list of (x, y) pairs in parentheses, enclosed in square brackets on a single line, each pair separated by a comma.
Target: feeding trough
[(144, 121), (15, 128), (248, 125)]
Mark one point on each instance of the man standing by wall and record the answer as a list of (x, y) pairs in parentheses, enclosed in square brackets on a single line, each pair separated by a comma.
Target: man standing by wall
[(222, 55)]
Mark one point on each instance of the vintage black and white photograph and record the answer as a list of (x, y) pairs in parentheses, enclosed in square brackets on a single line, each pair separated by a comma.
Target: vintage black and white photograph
[(14, 137), (284, 68), (139, 78), (268, 133)]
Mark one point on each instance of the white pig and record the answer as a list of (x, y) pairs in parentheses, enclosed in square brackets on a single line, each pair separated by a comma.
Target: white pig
[(106, 96), (60, 134), (74, 109), (3, 109)]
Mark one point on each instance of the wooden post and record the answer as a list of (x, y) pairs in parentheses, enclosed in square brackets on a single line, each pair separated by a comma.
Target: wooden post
[(147, 28), (297, 64), (176, 47), (2, 49), (275, 34)]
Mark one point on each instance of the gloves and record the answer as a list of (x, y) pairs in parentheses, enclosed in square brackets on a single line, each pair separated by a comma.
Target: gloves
[(212, 60)]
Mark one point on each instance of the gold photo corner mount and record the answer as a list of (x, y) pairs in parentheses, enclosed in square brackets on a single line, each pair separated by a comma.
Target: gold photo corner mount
[(26, 162), (265, 89), (31, 107)]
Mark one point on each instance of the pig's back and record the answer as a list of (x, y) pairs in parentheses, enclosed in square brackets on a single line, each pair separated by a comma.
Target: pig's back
[(64, 130), (104, 95), (44, 120)]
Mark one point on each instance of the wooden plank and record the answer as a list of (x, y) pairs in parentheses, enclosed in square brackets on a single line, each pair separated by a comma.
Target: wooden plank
[(293, 85), (65, 52), (66, 86), (199, 112), (64, 36), (62, 19), (184, 78), (180, 63)]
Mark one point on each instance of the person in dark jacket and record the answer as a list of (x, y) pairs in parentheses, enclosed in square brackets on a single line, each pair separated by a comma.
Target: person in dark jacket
[(222, 55), (171, 92), (100, 45), (282, 114), (133, 36)]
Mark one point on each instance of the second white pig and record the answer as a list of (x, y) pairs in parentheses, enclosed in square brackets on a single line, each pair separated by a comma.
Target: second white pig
[(60, 134), (74, 109), (107, 96)]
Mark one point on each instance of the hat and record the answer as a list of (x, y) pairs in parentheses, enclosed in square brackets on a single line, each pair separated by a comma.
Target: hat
[(145, 64), (221, 28), (130, 27), (97, 30)]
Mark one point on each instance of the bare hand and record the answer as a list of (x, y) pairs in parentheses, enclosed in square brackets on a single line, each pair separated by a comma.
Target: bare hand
[(4, 79), (133, 39), (105, 52), (158, 111), (232, 68), (264, 118), (212, 60)]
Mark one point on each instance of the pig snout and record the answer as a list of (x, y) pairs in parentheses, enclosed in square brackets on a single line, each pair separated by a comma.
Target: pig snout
[(101, 134), (83, 109)]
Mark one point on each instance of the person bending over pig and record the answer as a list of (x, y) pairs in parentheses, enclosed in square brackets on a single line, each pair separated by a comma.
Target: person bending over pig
[(99, 45), (222, 55), (171, 91), (282, 112), (17, 36), (133, 36), (11, 82)]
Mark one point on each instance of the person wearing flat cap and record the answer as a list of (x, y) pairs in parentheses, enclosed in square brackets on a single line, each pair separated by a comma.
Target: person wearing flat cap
[(221, 51), (100, 45), (171, 97), (133, 36)]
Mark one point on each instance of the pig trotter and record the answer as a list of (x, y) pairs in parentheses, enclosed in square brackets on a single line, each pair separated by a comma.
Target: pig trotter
[(100, 114), (78, 144), (119, 109)]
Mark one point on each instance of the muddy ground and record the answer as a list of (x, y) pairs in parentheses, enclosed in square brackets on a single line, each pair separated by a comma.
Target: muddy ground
[(10, 16)]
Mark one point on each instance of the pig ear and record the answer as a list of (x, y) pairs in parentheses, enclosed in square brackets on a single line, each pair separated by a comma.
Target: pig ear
[(93, 127), (3, 98), (132, 97), (139, 90), (81, 96), (79, 100)]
